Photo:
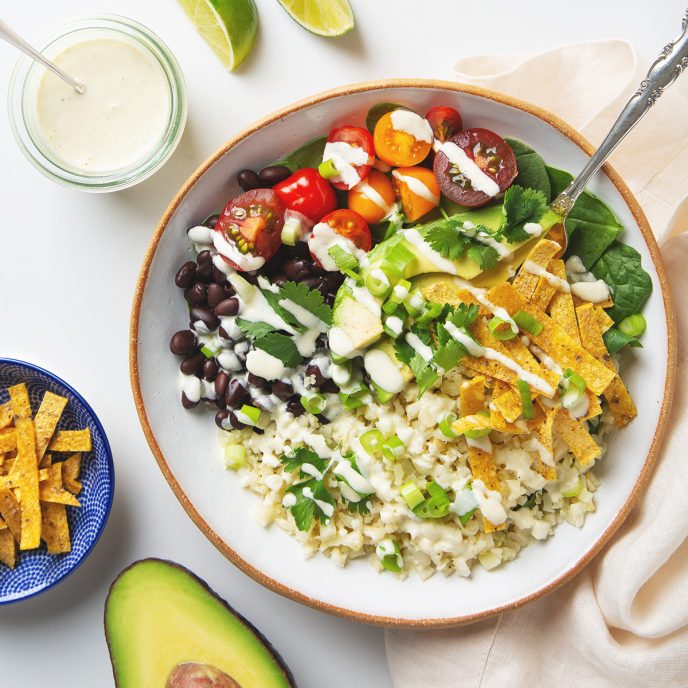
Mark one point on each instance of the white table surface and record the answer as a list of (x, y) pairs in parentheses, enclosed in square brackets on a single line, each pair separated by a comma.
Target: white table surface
[(69, 262)]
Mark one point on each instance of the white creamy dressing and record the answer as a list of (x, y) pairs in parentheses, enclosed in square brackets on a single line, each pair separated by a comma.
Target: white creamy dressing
[(341, 344), (400, 292), (551, 279), (386, 548), (310, 469), (469, 169), (201, 236), (483, 443), (576, 270), (340, 374), (479, 295), (323, 238), (305, 341), (345, 158), (383, 371), (325, 507), (464, 502), (502, 250), (394, 324), (416, 187), (253, 305), (380, 276), (264, 365), (119, 120), (355, 480), (191, 387), (534, 444), (580, 407), (244, 418), (489, 503), (542, 356), (373, 195), (416, 343), (412, 124), (533, 228), (442, 264), (229, 361), (246, 261), (289, 500), (594, 292), (365, 298)]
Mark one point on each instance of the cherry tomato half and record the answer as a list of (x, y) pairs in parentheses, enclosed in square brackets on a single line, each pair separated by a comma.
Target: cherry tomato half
[(357, 138), (373, 198), (400, 147), (251, 223), (308, 193), (418, 190), (347, 224), (490, 152), (445, 121)]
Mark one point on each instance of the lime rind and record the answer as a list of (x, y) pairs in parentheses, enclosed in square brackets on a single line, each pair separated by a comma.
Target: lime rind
[(322, 17)]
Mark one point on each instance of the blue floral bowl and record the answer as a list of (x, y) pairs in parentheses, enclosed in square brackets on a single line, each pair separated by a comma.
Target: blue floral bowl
[(37, 570)]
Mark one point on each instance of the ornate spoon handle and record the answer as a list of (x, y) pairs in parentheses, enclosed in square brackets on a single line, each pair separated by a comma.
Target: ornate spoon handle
[(663, 72)]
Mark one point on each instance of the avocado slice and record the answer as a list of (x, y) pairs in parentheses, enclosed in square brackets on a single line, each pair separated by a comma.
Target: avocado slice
[(361, 325), (160, 618)]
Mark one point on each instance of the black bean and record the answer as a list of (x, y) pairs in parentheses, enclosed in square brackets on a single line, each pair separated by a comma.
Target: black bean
[(301, 250), (192, 365), (206, 316), (187, 403), (282, 390), (250, 277), (228, 306), (314, 372), (185, 277), (235, 422), (334, 280), (183, 342), (329, 387), (279, 280), (197, 295), (224, 334), (274, 174), (295, 408), (317, 283), (257, 381), (229, 290), (216, 293), (319, 271), (329, 298), (236, 393), (248, 180), (210, 369), (324, 420), (219, 277), (221, 382), (296, 269), (205, 264), (220, 417)]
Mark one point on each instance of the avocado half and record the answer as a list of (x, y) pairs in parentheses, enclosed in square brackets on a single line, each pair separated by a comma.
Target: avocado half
[(159, 615)]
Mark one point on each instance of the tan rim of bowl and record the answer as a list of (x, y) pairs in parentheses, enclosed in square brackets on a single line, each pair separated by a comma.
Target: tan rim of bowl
[(640, 484)]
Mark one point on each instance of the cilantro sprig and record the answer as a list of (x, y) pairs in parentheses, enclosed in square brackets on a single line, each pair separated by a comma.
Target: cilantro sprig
[(520, 207), (280, 346), (310, 299)]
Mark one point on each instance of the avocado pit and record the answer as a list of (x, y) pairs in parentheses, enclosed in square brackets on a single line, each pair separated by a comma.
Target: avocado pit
[(196, 675)]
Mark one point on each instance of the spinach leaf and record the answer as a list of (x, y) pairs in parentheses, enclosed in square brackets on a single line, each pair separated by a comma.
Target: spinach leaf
[(375, 112), (620, 267), (591, 225), (532, 173), (308, 155), (615, 340)]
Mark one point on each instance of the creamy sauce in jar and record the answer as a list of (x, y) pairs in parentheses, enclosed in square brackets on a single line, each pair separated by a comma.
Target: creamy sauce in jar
[(120, 118)]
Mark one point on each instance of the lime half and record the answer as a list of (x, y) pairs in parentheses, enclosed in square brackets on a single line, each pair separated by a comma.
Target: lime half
[(227, 26), (324, 17)]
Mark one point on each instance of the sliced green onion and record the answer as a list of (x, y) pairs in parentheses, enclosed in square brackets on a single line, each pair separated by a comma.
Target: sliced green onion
[(391, 562), (573, 490), (501, 329), (400, 291), (291, 231), (235, 456), (314, 403), (346, 262), (207, 352), (327, 169), (382, 395), (573, 388), (465, 518), (634, 325), (436, 505), (396, 260), (414, 303), (430, 314), (526, 399), (446, 426), (393, 326), (530, 502), (389, 307), (356, 397), (372, 441), (528, 323), (412, 495), (479, 432), (251, 412), (376, 285), (393, 448)]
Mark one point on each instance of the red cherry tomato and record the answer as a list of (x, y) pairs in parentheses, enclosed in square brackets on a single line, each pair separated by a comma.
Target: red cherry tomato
[(445, 121), (251, 223), (357, 137), (307, 193), (347, 224), (490, 152)]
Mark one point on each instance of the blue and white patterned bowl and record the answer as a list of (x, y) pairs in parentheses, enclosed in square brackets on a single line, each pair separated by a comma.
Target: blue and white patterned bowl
[(37, 570)]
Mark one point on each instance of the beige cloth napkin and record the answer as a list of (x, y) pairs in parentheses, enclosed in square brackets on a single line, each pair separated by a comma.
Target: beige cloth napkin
[(623, 622)]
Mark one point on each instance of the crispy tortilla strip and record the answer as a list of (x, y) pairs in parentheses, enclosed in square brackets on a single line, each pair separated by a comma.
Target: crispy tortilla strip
[(577, 301), (52, 491), (546, 471), (545, 291), (71, 468), (10, 510), (6, 415), (555, 341), (56, 529), (28, 481), (3, 525), (603, 320), (484, 468), (14, 481), (542, 253), (49, 414), (509, 405), (8, 549), (491, 421), (442, 292), (594, 406), (19, 398), (577, 438), (472, 396), (545, 431), (620, 403), (8, 440), (71, 441), (591, 334), (561, 308)]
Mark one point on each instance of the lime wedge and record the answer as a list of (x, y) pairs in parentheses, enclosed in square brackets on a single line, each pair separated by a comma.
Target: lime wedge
[(227, 26), (324, 17)]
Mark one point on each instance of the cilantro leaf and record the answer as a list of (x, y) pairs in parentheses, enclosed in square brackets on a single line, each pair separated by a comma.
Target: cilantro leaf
[(521, 206), (422, 370), (280, 346), (449, 354), (445, 237), (254, 330), (300, 456), (485, 256), (306, 507), (310, 299), (273, 298), (360, 507), (464, 315)]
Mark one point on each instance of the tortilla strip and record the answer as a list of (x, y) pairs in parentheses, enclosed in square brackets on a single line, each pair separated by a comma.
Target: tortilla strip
[(591, 334), (594, 406), (603, 320), (19, 398), (561, 308), (541, 254), (28, 477), (577, 438), (545, 291), (46, 419), (577, 301), (8, 549), (52, 491), (555, 341), (472, 396), (56, 529), (6, 414), (71, 441), (493, 421), (8, 439), (483, 467), (620, 403), (13, 481), (10, 510), (545, 431), (71, 468), (509, 405)]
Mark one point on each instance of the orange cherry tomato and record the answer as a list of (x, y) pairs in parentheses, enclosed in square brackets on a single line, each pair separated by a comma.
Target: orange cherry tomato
[(400, 147), (372, 198), (418, 190)]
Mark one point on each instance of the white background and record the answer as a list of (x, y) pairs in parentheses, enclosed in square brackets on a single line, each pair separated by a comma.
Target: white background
[(69, 262)]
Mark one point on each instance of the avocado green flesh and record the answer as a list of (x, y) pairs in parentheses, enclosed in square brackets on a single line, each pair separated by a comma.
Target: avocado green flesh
[(159, 615)]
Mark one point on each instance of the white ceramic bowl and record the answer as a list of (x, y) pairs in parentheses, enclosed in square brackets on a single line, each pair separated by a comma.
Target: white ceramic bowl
[(186, 446)]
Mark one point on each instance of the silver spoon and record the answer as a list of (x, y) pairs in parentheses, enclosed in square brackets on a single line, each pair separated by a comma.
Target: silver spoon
[(662, 73), (18, 42)]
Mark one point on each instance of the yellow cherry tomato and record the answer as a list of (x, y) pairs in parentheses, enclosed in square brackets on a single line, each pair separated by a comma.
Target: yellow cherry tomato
[(399, 147), (372, 198), (418, 190)]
